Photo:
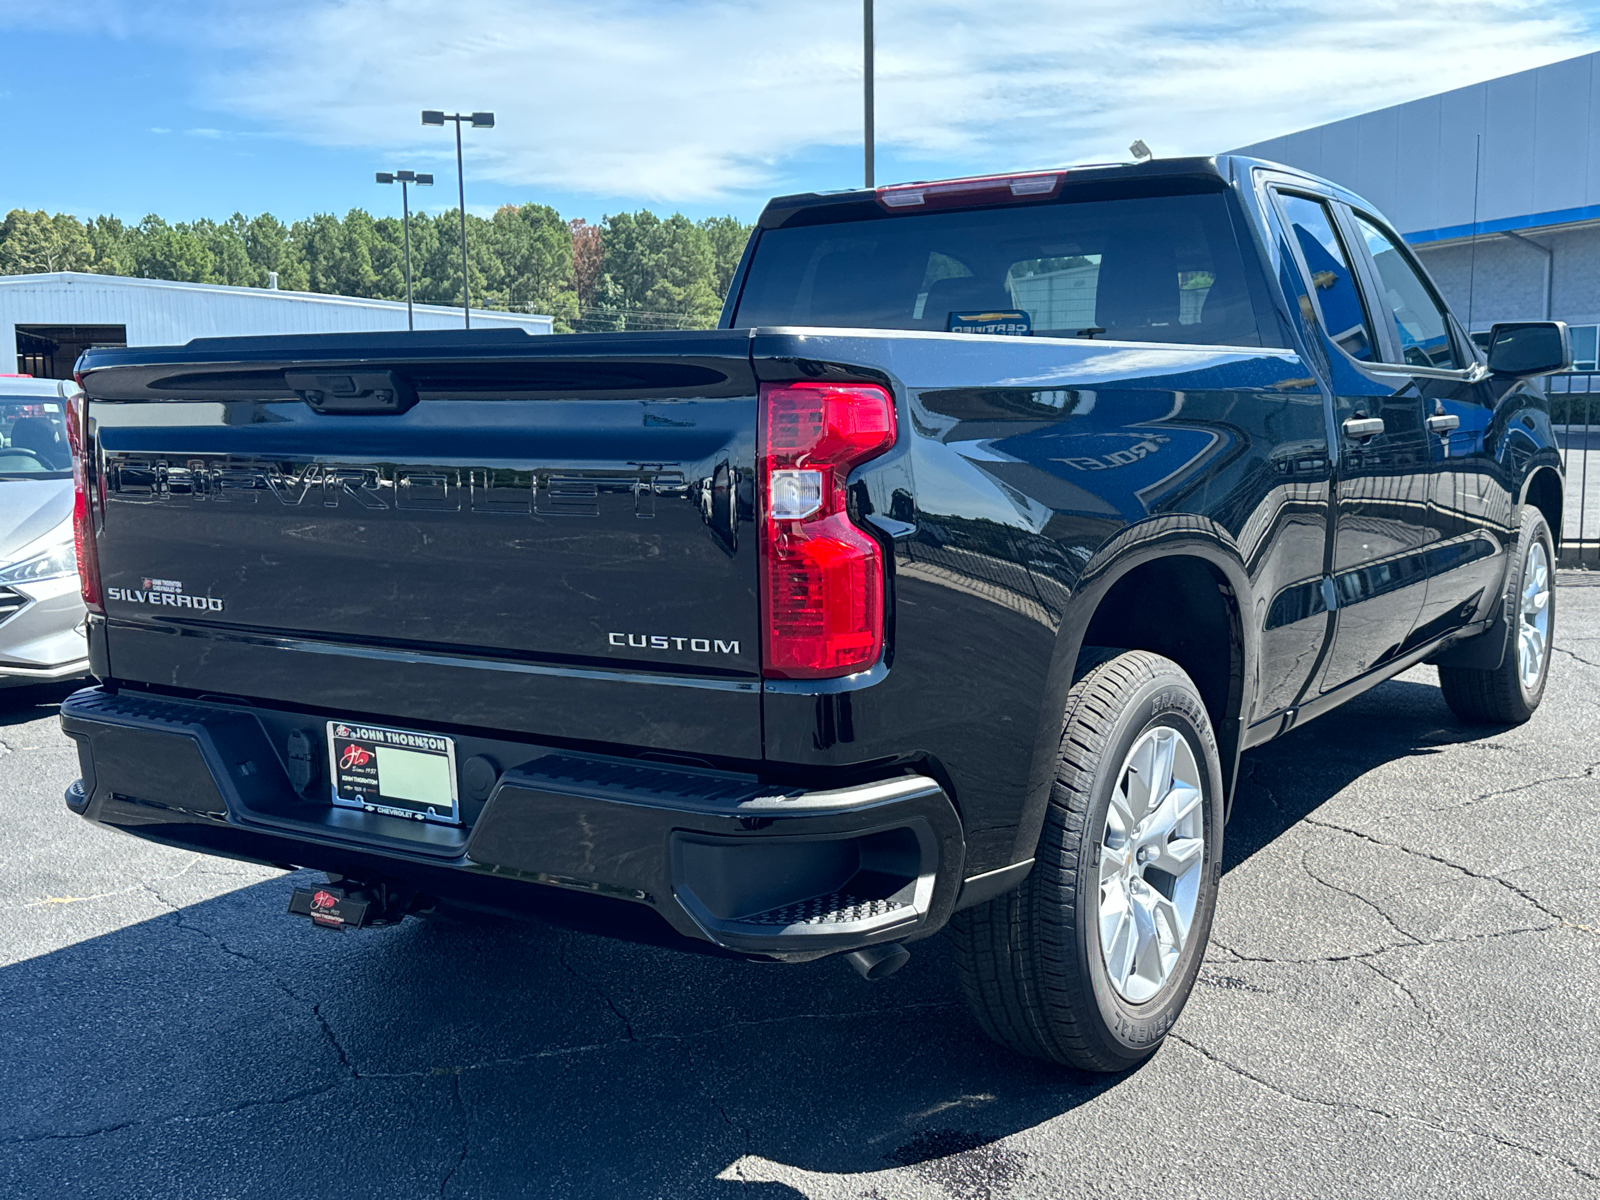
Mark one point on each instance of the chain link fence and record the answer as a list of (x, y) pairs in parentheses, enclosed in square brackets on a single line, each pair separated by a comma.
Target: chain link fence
[(1575, 412)]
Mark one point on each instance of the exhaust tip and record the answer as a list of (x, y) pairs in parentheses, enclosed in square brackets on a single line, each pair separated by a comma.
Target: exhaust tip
[(878, 962)]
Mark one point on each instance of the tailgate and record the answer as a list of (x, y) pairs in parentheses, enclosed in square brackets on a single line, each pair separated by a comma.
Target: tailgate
[(538, 535)]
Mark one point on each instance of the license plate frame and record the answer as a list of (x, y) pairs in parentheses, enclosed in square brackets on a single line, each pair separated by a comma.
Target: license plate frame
[(421, 784)]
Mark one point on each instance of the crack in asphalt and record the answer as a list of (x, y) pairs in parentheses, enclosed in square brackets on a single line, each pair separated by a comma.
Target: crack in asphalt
[(358, 1076), (747, 1137), (1373, 1110), (1361, 955), (142, 885), (466, 1132), (329, 1036), (180, 1118), (1427, 1013), (1558, 919), (561, 957), (1305, 865), (1586, 773), (1525, 895), (1570, 654)]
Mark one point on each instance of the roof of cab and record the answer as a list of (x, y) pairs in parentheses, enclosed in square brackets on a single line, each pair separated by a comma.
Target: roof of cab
[(1201, 173)]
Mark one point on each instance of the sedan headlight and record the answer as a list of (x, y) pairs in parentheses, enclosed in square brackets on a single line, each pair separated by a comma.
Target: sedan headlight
[(54, 563)]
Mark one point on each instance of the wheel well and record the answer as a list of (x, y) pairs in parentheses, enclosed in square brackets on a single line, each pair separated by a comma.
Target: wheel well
[(1544, 492), (1183, 609)]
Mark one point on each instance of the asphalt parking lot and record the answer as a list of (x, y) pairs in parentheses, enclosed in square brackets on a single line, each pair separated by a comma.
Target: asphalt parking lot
[(1402, 998)]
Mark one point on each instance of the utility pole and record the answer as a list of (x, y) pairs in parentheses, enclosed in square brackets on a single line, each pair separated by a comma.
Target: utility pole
[(478, 120), (405, 179), (866, 47)]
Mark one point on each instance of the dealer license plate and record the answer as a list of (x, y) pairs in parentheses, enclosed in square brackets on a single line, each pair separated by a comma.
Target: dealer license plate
[(397, 772)]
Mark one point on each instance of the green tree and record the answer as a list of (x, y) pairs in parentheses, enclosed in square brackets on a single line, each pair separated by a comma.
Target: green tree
[(531, 257), (728, 236), (387, 253), (230, 260), (112, 243), (32, 242), (163, 251), (636, 270), (440, 281), (271, 247), (664, 271)]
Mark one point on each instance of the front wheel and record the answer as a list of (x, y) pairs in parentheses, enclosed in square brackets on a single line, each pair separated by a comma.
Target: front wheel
[(1509, 694), (1091, 960)]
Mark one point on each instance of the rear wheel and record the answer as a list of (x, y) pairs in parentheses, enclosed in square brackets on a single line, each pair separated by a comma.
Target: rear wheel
[(1091, 960), (1510, 693)]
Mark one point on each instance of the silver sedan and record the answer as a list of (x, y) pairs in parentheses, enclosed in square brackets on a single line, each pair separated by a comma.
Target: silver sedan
[(41, 610)]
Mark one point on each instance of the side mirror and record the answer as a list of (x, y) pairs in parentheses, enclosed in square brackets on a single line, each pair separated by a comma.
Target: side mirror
[(1524, 348)]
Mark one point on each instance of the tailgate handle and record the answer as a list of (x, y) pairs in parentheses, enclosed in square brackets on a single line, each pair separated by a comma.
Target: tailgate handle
[(351, 393)]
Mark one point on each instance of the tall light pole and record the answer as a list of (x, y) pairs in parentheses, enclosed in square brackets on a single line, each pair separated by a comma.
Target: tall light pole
[(866, 48), (478, 120), (406, 178)]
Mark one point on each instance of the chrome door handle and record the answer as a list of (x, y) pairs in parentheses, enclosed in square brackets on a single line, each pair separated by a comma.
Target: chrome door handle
[(1443, 423), (1363, 427)]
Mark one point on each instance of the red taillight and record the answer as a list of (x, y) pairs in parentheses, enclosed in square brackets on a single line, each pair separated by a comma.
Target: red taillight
[(821, 576), (82, 522)]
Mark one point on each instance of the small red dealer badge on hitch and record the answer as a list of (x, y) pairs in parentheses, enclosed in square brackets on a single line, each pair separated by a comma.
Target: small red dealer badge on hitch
[(328, 907)]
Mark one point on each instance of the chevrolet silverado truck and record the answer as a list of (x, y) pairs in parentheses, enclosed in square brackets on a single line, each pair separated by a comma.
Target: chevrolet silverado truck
[(940, 587)]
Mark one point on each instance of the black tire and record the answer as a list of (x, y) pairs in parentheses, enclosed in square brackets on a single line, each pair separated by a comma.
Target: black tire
[(1500, 696), (1031, 963)]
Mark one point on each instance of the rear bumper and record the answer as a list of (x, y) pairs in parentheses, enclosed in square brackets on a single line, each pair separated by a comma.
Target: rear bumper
[(618, 845)]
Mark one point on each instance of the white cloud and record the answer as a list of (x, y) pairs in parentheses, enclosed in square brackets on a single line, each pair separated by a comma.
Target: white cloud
[(692, 100)]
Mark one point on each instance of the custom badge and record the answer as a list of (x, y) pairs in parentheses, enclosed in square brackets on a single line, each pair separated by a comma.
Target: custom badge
[(1014, 322)]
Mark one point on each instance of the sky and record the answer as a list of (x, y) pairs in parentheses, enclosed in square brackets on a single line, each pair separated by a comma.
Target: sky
[(194, 109)]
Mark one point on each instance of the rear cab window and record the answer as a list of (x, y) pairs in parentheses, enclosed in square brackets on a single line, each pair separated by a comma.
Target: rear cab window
[(1150, 268)]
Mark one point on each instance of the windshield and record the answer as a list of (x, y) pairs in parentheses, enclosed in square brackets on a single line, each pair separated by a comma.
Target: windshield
[(33, 439), (1143, 268)]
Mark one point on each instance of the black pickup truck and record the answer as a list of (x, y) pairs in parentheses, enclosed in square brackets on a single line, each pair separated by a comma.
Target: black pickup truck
[(941, 587)]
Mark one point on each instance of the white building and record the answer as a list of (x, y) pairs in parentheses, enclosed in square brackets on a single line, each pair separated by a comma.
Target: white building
[(53, 318)]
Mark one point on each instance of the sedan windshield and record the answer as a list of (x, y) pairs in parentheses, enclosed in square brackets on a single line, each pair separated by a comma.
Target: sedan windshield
[(33, 439)]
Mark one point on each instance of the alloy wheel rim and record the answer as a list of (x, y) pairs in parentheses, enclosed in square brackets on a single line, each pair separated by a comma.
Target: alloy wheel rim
[(1533, 622), (1152, 856)]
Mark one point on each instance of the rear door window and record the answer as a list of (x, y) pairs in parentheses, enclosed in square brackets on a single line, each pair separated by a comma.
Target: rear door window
[(1144, 268), (1422, 329), (1332, 280)]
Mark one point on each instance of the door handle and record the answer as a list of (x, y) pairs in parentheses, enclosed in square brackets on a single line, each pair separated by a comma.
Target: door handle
[(1363, 427), (1443, 423)]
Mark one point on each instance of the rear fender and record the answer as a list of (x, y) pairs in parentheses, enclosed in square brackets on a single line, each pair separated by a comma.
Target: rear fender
[(1184, 535)]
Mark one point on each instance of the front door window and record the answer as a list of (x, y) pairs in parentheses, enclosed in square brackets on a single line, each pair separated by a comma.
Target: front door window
[(1421, 327)]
